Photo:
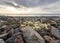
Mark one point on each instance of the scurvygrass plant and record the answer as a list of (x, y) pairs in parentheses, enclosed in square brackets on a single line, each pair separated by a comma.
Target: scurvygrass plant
[(35, 25)]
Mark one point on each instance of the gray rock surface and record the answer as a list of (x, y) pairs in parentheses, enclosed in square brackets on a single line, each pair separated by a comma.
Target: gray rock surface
[(11, 39), (31, 36), (50, 39), (2, 41), (58, 41), (55, 32), (42, 32)]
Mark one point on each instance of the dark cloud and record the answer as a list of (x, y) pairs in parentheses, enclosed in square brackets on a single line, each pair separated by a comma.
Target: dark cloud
[(29, 3), (35, 5)]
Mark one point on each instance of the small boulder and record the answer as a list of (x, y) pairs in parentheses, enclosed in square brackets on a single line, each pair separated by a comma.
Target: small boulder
[(42, 32), (2, 41), (18, 39), (55, 32), (49, 39), (58, 41), (12, 38), (31, 36)]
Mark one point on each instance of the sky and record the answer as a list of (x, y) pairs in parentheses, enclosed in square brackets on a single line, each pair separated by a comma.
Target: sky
[(32, 6)]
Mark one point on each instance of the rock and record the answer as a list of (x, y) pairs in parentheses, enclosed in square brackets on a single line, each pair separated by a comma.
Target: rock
[(31, 36), (18, 39), (1, 30), (53, 23), (11, 39), (42, 32), (4, 31), (16, 30), (53, 41), (15, 25), (58, 41), (12, 32), (2, 41), (49, 39), (55, 32)]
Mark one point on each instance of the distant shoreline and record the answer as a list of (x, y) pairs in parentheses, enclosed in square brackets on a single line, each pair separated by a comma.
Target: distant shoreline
[(29, 14)]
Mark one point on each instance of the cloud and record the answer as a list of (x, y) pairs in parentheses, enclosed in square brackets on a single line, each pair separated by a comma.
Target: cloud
[(13, 10), (34, 3), (55, 7), (31, 6)]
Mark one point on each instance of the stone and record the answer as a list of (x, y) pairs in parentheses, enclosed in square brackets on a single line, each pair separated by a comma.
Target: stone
[(16, 30), (49, 39), (12, 32), (42, 32), (53, 41), (55, 32), (1, 30), (18, 39), (31, 36), (2, 41), (58, 41), (12, 38)]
